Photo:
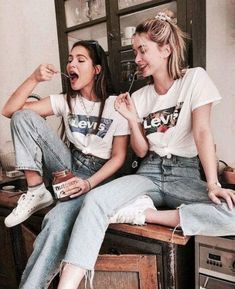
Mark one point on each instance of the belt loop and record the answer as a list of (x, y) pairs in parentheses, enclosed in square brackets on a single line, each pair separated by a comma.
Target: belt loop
[(174, 161)]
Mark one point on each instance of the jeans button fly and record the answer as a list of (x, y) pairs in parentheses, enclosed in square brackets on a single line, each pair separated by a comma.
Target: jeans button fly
[(169, 156)]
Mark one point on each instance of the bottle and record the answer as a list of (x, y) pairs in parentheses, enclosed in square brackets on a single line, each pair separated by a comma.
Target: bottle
[(59, 184)]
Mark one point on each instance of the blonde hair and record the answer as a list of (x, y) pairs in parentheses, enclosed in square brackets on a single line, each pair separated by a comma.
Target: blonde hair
[(163, 30)]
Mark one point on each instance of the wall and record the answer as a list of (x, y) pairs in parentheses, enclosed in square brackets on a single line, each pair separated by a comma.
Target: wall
[(221, 68), (28, 38)]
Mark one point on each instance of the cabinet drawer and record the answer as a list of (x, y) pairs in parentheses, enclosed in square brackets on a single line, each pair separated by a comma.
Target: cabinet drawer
[(172, 270), (125, 272)]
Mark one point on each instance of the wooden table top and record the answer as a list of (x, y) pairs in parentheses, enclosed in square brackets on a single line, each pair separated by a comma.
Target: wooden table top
[(156, 232)]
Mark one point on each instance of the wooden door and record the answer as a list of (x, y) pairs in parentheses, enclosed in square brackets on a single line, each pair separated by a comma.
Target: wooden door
[(125, 272)]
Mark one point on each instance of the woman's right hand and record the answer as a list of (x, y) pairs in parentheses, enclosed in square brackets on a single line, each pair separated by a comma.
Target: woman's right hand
[(125, 106), (44, 72), (216, 193), (76, 186), (19, 97)]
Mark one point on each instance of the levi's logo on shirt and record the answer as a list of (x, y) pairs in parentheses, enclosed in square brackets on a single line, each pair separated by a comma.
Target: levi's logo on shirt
[(84, 125), (160, 121)]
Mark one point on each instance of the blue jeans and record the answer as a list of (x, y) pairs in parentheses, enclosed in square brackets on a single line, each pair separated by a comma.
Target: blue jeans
[(38, 148), (173, 182), (76, 237)]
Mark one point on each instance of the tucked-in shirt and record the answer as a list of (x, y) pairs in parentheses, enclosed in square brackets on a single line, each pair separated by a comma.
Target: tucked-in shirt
[(80, 128), (167, 119)]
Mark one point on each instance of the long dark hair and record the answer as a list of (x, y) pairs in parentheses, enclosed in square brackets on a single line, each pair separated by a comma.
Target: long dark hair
[(103, 86)]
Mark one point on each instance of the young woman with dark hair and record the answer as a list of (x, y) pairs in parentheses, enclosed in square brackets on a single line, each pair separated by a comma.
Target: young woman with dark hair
[(98, 137)]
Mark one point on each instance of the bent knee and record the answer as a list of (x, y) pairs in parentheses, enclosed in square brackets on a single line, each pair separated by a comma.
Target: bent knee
[(24, 115)]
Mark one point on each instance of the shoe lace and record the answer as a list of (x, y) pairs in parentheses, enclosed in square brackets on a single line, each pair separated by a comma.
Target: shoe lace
[(22, 203)]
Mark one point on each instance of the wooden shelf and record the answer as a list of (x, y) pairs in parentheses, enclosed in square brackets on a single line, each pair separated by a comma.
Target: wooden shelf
[(6, 179)]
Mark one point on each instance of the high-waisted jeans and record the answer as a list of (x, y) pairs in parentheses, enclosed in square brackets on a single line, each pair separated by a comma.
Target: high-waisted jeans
[(38, 148), (173, 183), (76, 237)]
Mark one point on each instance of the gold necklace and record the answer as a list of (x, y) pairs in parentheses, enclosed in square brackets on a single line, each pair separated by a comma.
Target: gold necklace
[(88, 113)]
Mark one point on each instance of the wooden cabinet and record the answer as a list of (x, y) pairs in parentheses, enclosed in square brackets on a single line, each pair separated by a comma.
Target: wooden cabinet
[(131, 257), (130, 271), (170, 259), (107, 20), (148, 257), (16, 244), (8, 276)]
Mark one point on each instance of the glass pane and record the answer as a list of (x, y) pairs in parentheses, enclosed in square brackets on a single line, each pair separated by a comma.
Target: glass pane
[(130, 21), (80, 11), (97, 32), (127, 3)]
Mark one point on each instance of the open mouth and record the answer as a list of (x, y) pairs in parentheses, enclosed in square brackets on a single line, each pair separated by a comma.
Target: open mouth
[(73, 76)]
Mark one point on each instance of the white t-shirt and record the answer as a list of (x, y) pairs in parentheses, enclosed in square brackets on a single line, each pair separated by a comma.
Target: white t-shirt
[(79, 126), (167, 119)]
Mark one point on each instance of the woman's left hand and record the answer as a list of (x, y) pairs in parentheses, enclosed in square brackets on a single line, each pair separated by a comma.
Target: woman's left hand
[(215, 193), (76, 187)]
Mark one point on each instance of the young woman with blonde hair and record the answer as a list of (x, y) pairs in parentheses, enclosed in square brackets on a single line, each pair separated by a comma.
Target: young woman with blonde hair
[(170, 128)]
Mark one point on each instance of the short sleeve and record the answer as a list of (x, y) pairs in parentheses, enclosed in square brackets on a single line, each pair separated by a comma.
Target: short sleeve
[(204, 90), (122, 127), (142, 99), (58, 104)]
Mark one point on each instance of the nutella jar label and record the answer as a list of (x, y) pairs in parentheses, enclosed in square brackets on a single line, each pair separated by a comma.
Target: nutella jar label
[(59, 190), (59, 184)]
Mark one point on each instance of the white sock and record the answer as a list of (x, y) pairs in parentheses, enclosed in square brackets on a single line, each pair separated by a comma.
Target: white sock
[(37, 188)]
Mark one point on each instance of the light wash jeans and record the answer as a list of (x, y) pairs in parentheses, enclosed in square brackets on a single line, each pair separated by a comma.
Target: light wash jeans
[(38, 148), (173, 182)]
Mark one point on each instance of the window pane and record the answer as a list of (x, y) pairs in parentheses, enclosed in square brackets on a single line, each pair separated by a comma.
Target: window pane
[(80, 11), (130, 21), (128, 3), (97, 32)]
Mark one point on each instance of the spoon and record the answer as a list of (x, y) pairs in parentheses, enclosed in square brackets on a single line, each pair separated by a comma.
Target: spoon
[(132, 81), (64, 74)]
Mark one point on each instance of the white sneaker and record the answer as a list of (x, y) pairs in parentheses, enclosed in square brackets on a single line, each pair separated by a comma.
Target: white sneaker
[(28, 204), (134, 212)]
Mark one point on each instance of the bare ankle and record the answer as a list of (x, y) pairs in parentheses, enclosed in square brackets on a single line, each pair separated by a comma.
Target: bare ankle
[(33, 178), (71, 276), (151, 215)]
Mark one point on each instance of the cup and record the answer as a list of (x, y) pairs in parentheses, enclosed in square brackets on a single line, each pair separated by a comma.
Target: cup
[(129, 31)]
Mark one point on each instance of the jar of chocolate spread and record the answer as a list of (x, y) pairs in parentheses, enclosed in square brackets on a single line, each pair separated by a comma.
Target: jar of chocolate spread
[(59, 184)]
